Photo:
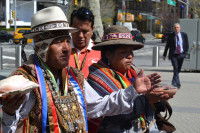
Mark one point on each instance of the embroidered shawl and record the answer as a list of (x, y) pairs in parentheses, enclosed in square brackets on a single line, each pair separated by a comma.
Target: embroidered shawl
[(33, 122), (106, 80)]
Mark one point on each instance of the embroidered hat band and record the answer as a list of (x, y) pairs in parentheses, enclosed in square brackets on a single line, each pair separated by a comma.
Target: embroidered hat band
[(117, 36), (50, 26)]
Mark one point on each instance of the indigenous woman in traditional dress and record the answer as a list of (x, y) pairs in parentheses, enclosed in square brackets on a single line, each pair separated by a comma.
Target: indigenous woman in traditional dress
[(64, 99), (115, 71)]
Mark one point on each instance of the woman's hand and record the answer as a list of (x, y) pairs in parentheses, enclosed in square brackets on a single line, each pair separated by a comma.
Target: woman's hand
[(154, 97), (155, 79), (142, 83), (12, 103)]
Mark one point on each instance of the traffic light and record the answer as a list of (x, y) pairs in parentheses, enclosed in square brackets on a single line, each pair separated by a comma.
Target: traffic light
[(140, 16), (10, 21), (75, 2), (139, 0), (13, 13)]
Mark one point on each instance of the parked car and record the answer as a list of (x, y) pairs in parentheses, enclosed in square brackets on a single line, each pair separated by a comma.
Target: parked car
[(18, 35), (6, 37), (165, 35), (137, 36)]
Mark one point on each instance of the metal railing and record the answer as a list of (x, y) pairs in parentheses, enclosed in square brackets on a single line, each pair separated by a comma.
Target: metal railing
[(1, 58), (18, 57), (155, 56)]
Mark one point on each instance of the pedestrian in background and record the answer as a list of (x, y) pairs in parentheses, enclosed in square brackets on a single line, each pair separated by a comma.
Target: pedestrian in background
[(82, 56), (177, 43)]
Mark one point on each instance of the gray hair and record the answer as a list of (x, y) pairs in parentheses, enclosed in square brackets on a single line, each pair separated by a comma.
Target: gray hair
[(177, 24)]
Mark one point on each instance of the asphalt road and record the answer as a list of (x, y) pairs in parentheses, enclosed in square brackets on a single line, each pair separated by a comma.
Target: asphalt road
[(9, 51), (143, 57)]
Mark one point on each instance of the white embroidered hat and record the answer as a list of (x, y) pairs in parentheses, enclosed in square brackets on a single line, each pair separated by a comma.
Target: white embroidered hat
[(46, 25), (49, 19)]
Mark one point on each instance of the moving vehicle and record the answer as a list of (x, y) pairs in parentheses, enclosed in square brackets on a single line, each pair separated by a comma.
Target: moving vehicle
[(137, 36), (6, 37), (18, 35), (165, 35)]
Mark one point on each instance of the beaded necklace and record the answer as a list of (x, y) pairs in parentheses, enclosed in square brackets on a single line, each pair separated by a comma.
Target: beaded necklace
[(68, 105)]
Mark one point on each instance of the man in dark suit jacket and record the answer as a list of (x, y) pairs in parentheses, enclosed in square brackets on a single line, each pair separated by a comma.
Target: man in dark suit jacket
[(177, 43)]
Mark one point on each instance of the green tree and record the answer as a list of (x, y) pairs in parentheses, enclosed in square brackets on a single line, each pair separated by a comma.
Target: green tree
[(94, 6), (194, 8), (107, 11), (103, 10)]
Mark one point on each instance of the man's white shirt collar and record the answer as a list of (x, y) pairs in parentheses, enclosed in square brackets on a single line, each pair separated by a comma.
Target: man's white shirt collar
[(89, 46)]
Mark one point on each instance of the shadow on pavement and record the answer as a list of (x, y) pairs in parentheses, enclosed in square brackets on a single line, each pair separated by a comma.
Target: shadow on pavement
[(158, 70), (170, 70), (2, 77)]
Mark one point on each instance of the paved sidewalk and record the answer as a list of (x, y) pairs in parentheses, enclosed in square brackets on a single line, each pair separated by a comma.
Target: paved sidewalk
[(186, 103), (148, 36)]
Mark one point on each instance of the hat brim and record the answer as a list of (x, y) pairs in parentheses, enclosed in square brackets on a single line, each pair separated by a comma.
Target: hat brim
[(51, 39), (125, 42), (32, 34)]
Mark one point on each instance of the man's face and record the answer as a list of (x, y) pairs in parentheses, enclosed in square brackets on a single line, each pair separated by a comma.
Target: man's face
[(82, 37), (59, 53), (177, 29)]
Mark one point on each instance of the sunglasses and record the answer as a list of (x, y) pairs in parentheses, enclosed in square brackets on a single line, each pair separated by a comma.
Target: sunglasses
[(83, 12)]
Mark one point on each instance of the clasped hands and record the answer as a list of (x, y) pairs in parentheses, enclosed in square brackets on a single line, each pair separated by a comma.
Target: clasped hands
[(146, 84)]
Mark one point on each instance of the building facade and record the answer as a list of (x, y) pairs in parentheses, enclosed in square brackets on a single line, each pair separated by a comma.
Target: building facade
[(136, 7), (24, 10)]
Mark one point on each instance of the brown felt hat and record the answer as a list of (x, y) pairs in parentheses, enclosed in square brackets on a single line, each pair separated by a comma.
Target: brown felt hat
[(117, 35)]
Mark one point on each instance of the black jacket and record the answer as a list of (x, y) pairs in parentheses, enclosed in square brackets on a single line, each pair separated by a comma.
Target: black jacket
[(171, 44)]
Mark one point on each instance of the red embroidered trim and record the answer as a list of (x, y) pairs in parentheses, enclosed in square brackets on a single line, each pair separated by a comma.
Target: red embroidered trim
[(117, 36)]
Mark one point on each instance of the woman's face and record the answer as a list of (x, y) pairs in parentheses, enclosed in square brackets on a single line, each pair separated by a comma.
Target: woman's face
[(121, 59)]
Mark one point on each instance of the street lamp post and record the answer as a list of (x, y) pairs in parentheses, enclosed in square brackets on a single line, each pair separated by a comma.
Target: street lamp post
[(186, 3), (15, 14), (18, 5)]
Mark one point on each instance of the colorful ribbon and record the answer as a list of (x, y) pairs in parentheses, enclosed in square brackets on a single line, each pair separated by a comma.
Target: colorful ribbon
[(77, 61), (44, 94), (73, 80)]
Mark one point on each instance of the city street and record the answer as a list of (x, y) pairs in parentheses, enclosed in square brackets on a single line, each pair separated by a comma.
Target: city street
[(9, 54), (141, 56), (185, 104), (152, 22)]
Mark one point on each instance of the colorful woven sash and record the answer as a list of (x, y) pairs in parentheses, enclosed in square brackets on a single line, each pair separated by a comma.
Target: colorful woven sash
[(105, 80), (80, 93)]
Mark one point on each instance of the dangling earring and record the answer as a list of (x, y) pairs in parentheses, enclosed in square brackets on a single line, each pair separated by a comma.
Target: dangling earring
[(108, 63)]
